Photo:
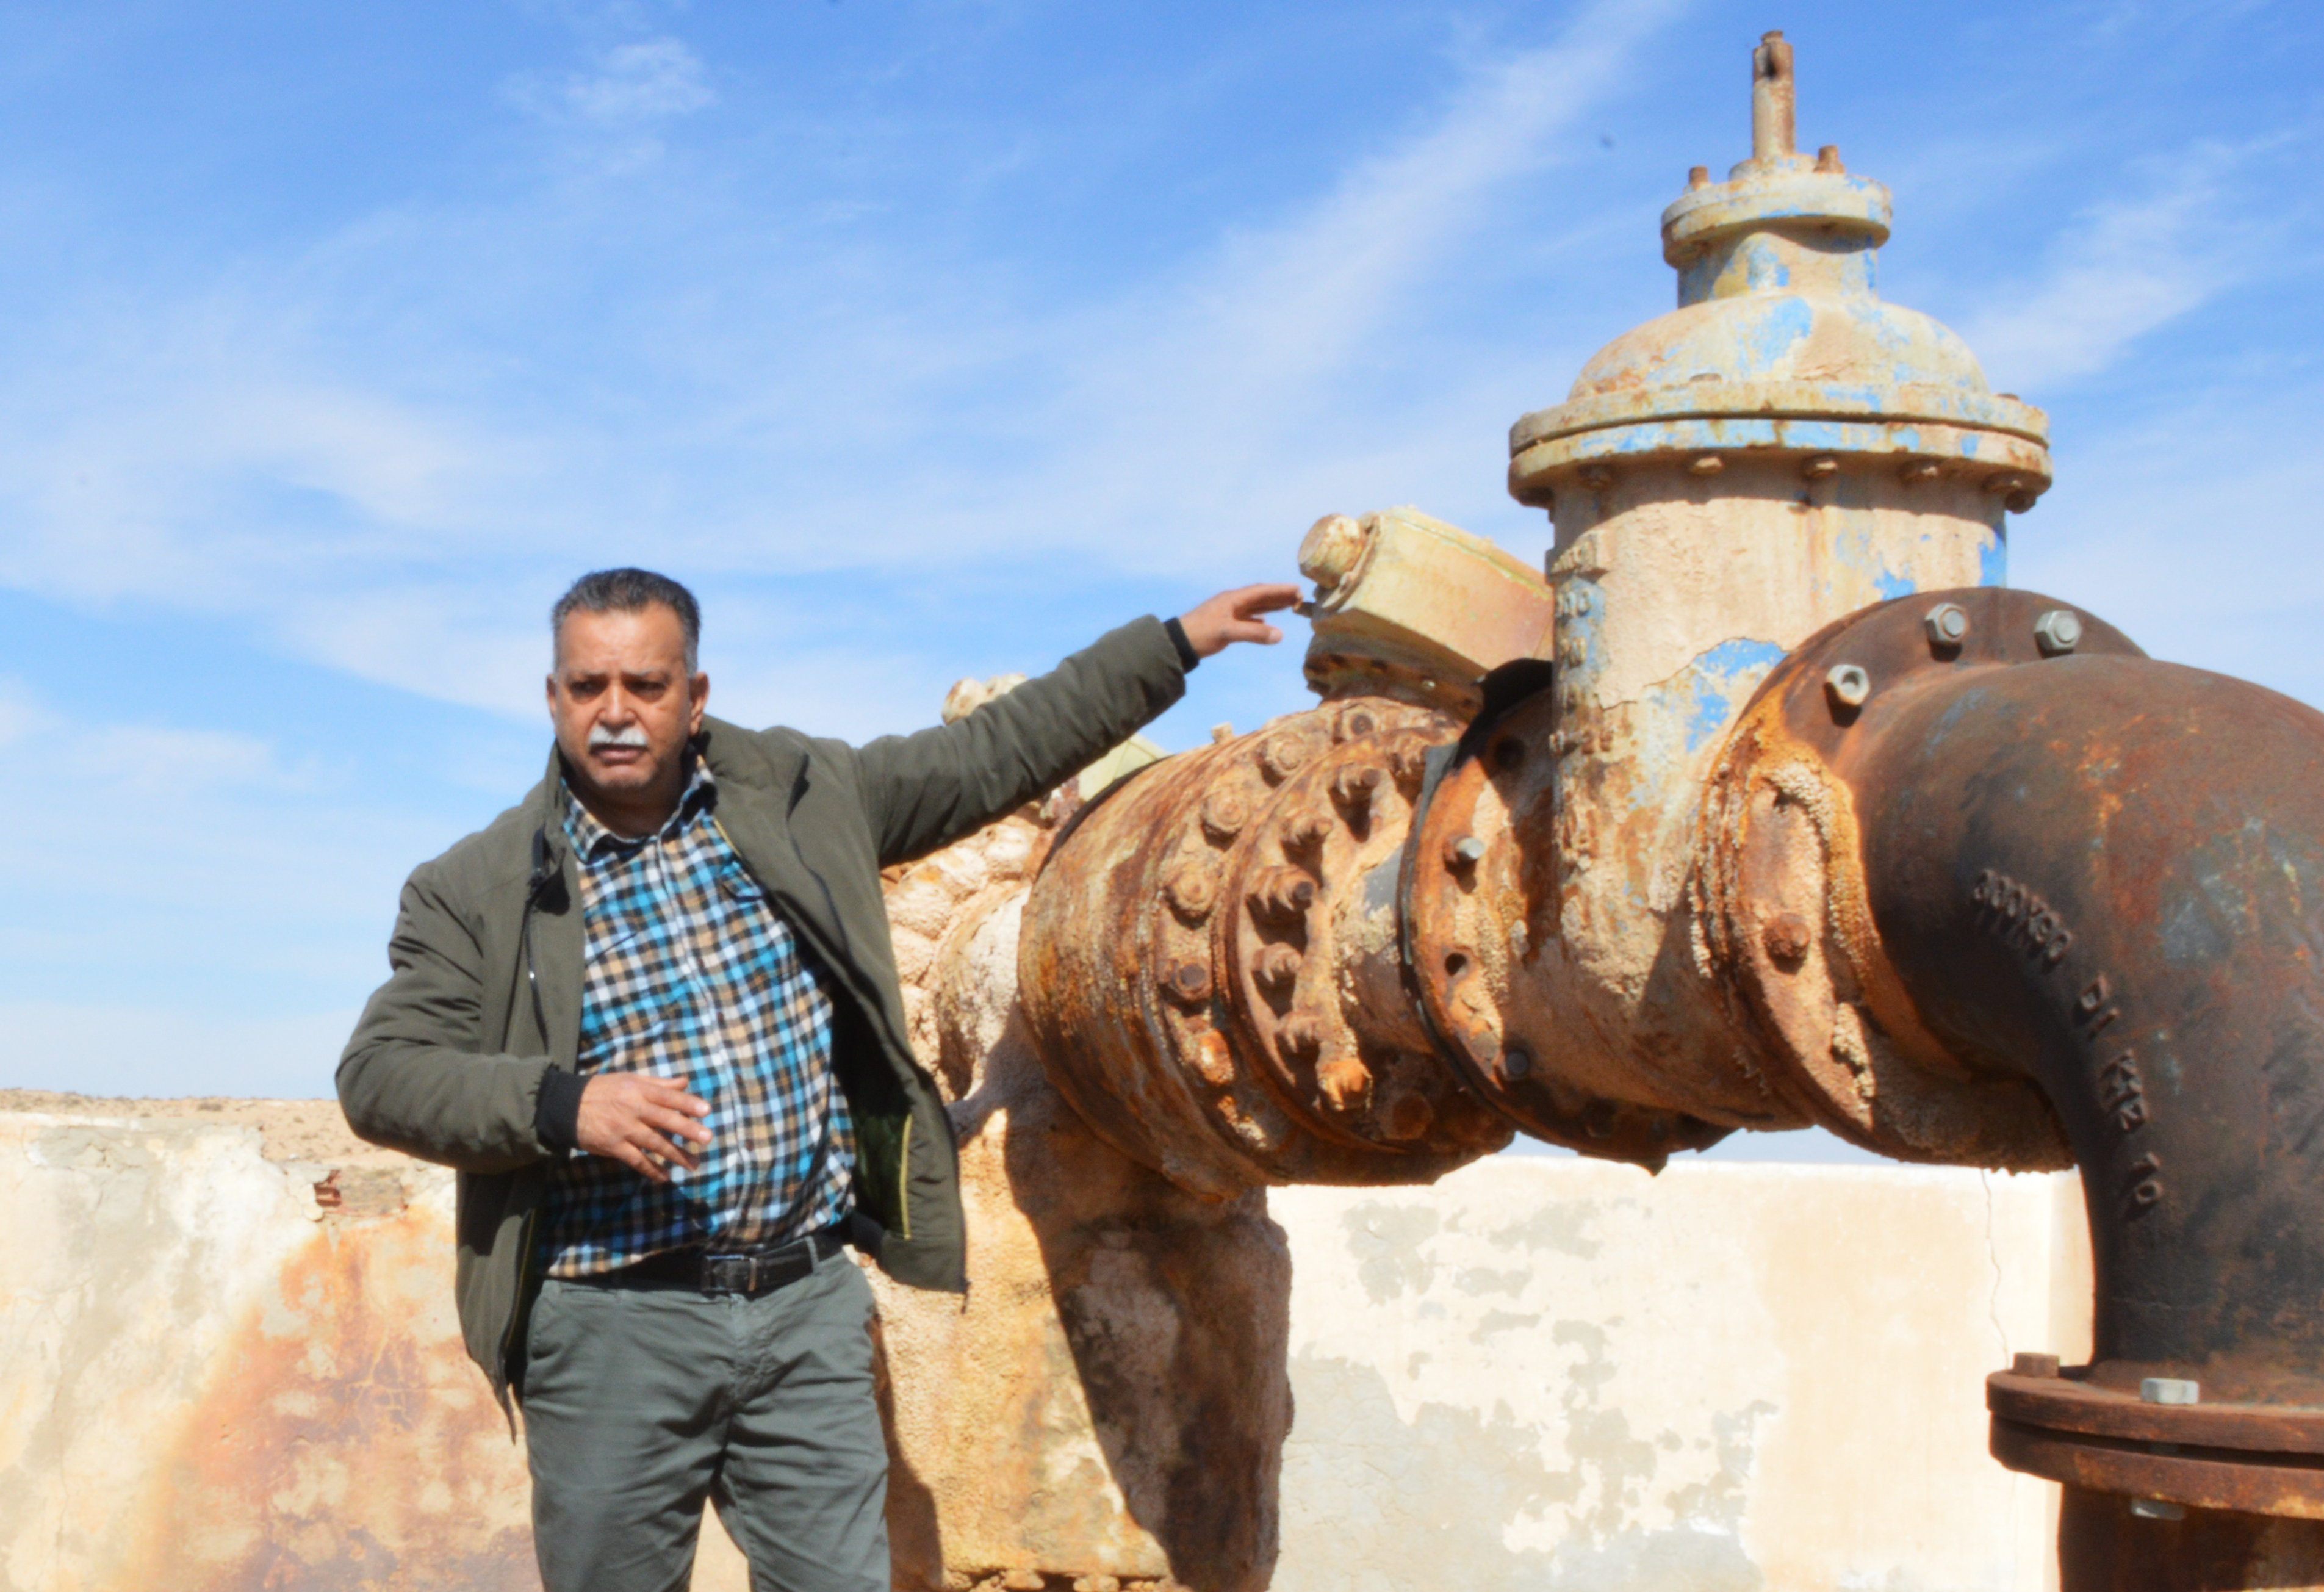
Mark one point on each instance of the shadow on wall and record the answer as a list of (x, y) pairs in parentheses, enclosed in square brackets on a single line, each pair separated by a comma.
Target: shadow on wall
[(1171, 1328)]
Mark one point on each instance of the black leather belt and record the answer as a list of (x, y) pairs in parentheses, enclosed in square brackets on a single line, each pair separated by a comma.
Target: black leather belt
[(747, 1272)]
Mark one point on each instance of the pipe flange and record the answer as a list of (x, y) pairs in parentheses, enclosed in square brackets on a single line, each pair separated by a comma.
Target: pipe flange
[(1780, 886), (1481, 908), (2251, 1458), (1294, 890), (1132, 1007)]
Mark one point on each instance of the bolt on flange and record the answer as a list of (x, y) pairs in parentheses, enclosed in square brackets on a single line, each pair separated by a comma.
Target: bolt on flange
[(1848, 685), (2058, 632)]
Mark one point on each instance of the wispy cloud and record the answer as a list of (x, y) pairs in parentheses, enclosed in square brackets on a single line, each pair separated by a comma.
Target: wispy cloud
[(370, 447), (611, 108), (640, 82), (2125, 268)]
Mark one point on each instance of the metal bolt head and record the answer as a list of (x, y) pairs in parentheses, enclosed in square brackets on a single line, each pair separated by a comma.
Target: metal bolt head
[(1708, 464), (2058, 632), (1357, 785), (1277, 966), (1305, 830), (1788, 937), (1281, 757), (1281, 895), (2041, 1366), (1465, 852), (2157, 1509), (1193, 892), (1516, 1062), (1848, 685), (1346, 1082), (1820, 467), (1190, 981), (2170, 1390), (1946, 624), (1224, 813)]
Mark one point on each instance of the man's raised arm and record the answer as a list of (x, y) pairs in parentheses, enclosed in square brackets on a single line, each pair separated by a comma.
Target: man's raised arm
[(927, 790)]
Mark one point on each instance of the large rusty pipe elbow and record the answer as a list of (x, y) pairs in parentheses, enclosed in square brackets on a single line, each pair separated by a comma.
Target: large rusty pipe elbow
[(2026, 855)]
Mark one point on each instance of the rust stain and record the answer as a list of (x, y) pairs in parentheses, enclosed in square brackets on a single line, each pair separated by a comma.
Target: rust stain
[(338, 1443)]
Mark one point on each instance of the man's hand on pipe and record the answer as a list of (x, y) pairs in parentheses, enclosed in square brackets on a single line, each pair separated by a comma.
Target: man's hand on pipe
[(643, 1120), (1232, 617)]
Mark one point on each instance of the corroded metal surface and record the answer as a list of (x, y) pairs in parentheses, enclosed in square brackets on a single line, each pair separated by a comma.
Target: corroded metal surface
[(1408, 605), (1788, 924), (2103, 1546), (1997, 887), (1781, 346), (1487, 901), (1205, 954)]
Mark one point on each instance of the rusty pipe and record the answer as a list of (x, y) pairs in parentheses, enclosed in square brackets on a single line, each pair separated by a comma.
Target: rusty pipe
[(2026, 856), (2107, 873)]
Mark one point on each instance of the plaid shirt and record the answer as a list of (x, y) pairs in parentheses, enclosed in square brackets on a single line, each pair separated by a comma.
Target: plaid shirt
[(692, 971)]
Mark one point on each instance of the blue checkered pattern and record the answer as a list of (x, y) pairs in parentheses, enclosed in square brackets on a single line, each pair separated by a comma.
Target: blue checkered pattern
[(692, 972)]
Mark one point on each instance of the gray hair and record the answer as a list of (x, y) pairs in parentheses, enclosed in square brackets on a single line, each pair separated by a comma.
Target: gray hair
[(626, 591)]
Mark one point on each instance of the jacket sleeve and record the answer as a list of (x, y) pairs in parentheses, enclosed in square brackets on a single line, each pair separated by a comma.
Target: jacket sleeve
[(927, 790), (411, 1078)]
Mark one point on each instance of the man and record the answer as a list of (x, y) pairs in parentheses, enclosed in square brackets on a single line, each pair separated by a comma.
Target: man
[(651, 1016)]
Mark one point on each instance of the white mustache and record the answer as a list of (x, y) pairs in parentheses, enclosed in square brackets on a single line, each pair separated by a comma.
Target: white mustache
[(599, 736)]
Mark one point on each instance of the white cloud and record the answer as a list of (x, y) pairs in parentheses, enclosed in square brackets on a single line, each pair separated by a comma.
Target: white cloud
[(640, 82), (389, 453), (625, 86), (23, 715), (2122, 269)]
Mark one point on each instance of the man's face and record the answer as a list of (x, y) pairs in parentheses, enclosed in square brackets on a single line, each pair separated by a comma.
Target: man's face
[(623, 705)]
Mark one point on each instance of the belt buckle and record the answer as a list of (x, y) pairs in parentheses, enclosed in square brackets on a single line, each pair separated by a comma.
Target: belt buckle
[(730, 1274)]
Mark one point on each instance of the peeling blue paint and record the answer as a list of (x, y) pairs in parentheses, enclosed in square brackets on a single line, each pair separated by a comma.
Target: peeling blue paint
[(1719, 681)]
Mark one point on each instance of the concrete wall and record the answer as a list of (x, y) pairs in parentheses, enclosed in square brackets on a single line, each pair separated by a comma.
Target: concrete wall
[(1539, 1374)]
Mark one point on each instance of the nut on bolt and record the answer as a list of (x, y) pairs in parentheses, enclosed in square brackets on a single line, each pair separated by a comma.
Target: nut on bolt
[(1946, 624), (1282, 896), (1788, 937), (1346, 1082), (1357, 784), (1848, 685), (2058, 632), (1193, 892), (1190, 981), (1307, 829), (1301, 1035), (1277, 966)]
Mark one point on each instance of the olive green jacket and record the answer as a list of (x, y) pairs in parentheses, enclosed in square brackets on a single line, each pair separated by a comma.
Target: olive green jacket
[(447, 1060)]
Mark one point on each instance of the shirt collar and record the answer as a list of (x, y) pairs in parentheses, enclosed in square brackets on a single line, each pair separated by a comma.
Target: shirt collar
[(589, 837)]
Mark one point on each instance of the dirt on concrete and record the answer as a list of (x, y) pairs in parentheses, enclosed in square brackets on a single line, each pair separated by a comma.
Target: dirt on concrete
[(288, 1130)]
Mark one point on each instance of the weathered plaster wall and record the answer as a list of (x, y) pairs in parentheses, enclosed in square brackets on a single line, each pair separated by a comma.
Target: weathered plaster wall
[(1565, 1373), (1538, 1373)]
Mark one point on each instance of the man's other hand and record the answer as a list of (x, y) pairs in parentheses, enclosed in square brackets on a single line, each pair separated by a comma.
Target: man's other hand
[(639, 1119), (1231, 617)]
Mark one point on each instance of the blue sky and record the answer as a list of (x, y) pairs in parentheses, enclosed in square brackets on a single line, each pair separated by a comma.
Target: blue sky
[(928, 339)]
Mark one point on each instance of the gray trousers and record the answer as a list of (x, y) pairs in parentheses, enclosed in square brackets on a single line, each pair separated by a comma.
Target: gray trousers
[(642, 1403)]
